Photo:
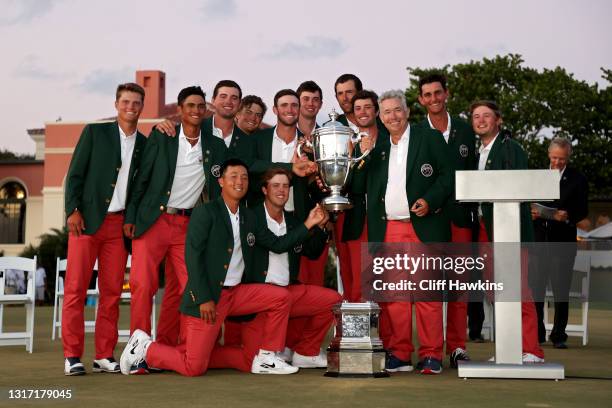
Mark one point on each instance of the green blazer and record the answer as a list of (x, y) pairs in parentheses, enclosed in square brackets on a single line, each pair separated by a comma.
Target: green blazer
[(507, 154), (209, 247), (425, 147), (93, 172), (241, 145), (154, 182), (311, 248), (462, 150), (262, 161)]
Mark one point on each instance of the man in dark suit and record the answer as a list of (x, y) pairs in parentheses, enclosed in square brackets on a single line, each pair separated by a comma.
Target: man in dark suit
[(220, 252), (461, 143), (97, 189), (176, 174), (571, 207)]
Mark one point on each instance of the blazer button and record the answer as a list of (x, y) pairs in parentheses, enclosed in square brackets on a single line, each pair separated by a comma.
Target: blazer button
[(113, 185), (265, 273), (229, 250), (161, 208), (382, 199), (225, 266), (118, 168), (168, 192), (107, 200), (382, 218), (221, 283)]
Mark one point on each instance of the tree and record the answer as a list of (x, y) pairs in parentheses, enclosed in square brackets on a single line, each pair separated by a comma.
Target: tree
[(536, 105), (6, 155)]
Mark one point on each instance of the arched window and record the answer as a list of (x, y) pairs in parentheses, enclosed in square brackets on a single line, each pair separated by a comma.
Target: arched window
[(12, 213)]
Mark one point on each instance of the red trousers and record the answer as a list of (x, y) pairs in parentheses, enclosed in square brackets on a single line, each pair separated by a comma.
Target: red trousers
[(350, 261), (310, 317), (528, 312), (312, 271), (107, 246), (396, 317), (456, 312), (165, 238), (192, 357)]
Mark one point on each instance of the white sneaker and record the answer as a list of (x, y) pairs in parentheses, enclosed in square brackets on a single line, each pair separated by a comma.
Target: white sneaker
[(286, 354), (269, 363), (318, 361), (135, 351), (532, 358), (73, 366), (106, 365)]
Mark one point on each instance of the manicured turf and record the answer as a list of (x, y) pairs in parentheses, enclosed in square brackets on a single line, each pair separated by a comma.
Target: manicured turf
[(227, 388)]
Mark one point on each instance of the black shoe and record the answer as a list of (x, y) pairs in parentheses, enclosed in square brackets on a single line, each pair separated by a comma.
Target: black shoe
[(457, 355), (560, 345)]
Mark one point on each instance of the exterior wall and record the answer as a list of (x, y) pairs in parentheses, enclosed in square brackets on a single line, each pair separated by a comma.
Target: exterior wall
[(30, 175)]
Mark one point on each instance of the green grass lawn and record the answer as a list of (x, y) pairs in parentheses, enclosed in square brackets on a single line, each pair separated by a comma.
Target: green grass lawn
[(308, 388)]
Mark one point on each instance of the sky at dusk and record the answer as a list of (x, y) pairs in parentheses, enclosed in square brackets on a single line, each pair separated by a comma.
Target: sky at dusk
[(64, 58)]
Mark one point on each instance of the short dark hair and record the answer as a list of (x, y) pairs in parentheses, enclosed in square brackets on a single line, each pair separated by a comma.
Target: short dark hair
[(187, 92), (249, 100), (274, 171), (348, 77), (430, 79), (129, 87), (233, 162), (228, 83), (489, 104), (365, 94), (309, 86), (285, 92)]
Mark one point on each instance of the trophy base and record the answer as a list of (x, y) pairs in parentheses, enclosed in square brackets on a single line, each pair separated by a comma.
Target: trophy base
[(356, 363), (337, 203)]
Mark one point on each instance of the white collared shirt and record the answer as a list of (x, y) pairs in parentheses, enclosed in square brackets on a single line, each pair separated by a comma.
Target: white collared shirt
[(219, 133), (127, 148), (396, 200), (236, 266), (446, 133), (484, 151), (278, 264), (283, 153), (352, 125), (189, 174)]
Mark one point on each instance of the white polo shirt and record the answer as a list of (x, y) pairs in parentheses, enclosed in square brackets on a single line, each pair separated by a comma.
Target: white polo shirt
[(446, 133), (278, 264), (189, 175), (396, 200), (236, 265), (283, 153), (120, 192), (217, 132)]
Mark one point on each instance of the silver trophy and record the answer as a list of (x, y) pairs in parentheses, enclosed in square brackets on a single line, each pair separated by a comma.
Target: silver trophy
[(332, 146), (356, 350)]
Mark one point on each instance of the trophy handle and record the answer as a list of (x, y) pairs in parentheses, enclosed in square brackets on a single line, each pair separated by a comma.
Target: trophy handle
[(299, 147), (356, 138)]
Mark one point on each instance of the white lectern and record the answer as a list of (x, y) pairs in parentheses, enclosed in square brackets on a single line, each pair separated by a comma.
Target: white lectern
[(506, 189)]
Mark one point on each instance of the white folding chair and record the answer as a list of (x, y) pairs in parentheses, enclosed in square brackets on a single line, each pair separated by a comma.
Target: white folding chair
[(90, 325), (28, 300), (582, 270)]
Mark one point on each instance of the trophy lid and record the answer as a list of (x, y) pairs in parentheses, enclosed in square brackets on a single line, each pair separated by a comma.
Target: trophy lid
[(333, 126)]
